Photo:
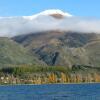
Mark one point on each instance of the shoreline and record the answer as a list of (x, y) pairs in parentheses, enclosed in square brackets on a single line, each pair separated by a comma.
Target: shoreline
[(51, 84)]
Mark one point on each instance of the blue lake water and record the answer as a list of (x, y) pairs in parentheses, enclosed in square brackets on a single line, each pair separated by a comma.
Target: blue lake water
[(51, 92)]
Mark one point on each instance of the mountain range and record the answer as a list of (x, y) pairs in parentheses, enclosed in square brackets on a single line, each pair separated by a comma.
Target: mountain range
[(47, 39)]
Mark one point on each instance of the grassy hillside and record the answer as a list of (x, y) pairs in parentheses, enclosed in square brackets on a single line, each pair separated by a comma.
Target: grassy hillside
[(13, 53), (93, 51)]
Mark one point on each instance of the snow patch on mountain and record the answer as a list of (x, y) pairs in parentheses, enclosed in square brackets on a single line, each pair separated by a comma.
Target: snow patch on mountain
[(48, 13)]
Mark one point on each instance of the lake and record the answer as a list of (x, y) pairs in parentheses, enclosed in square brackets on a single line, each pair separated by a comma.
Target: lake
[(51, 92)]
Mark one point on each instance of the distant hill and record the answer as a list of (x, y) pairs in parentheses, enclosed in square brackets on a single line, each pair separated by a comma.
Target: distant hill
[(63, 48), (13, 53)]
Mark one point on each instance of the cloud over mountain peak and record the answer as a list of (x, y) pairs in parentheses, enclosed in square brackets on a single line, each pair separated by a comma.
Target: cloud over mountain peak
[(46, 20)]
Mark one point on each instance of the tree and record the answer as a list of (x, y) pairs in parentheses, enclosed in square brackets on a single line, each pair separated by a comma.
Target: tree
[(63, 77), (52, 78)]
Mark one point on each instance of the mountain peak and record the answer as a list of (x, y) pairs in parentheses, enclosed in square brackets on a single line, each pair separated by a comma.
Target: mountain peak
[(55, 11)]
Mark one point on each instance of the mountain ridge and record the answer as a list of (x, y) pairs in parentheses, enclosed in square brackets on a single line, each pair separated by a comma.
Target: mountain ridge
[(62, 48)]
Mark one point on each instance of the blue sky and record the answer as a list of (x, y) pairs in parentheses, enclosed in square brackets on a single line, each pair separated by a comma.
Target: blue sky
[(88, 8)]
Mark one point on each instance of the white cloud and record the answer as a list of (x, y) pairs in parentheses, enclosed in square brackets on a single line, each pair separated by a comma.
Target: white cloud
[(20, 25)]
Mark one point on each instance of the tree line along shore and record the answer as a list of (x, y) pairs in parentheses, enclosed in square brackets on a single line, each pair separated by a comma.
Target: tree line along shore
[(33, 74)]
